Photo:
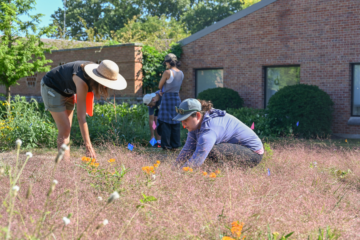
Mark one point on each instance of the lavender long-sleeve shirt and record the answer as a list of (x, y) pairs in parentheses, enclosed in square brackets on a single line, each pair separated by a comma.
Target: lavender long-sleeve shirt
[(217, 127)]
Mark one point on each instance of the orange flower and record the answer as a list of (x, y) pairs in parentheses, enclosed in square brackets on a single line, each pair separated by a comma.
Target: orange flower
[(217, 172), (227, 238), (93, 160), (111, 160), (156, 165), (190, 169), (84, 159), (237, 228), (212, 175), (204, 173), (148, 169), (346, 140), (186, 169), (87, 159), (94, 164), (158, 162)]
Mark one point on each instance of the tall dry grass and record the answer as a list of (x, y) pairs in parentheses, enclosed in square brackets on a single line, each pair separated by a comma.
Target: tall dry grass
[(299, 195)]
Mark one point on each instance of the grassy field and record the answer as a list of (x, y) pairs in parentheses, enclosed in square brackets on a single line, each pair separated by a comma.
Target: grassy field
[(300, 186)]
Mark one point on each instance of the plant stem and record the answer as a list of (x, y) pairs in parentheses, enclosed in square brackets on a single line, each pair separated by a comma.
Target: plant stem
[(91, 221)]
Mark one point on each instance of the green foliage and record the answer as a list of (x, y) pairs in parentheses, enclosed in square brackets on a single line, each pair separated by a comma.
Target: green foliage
[(20, 56), (26, 122), (222, 98), (100, 16), (153, 67), (36, 128), (158, 32), (203, 13), (306, 104)]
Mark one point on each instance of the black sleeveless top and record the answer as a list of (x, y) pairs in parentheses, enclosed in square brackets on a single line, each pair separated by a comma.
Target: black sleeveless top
[(61, 78)]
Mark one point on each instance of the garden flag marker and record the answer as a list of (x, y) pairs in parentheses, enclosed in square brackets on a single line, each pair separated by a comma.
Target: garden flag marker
[(153, 141), (253, 126), (154, 125), (297, 124), (268, 172), (130, 146)]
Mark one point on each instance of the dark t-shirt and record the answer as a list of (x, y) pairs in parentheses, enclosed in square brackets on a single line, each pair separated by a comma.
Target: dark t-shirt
[(61, 78), (156, 107)]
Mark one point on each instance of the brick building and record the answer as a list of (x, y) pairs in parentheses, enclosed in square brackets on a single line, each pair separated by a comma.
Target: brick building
[(282, 42), (127, 56)]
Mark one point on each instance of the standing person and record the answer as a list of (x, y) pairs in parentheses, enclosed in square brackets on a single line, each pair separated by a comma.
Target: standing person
[(60, 84), (215, 134), (170, 84), (153, 101)]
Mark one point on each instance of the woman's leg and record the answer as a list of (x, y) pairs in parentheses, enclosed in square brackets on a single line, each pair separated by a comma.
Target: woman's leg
[(234, 153), (63, 123), (175, 136), (165, 129)]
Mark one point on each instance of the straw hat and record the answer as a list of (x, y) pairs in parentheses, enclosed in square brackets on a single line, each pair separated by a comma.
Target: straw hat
[(107, 74)]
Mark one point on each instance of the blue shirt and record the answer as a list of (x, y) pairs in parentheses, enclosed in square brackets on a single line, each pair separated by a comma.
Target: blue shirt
[(157, 104), (217, 127)]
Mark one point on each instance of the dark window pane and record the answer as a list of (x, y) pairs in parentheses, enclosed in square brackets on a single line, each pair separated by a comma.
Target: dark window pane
[(356, 91), (279, 77), (209, 78)]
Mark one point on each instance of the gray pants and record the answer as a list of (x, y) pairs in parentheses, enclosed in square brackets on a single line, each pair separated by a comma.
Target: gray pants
[(234, 154)]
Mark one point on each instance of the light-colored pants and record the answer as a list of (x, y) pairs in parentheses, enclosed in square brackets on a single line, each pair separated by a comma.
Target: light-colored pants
[(54, 101)]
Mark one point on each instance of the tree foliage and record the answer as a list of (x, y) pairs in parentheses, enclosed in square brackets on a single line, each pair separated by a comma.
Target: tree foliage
[(20, 56)]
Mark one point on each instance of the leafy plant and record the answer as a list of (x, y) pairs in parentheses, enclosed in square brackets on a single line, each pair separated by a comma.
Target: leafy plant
[(152, 65), (302, 110), (222, 98)]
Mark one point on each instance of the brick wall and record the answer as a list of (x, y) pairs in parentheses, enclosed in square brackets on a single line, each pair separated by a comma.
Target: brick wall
[(127, 56), (322, 36)]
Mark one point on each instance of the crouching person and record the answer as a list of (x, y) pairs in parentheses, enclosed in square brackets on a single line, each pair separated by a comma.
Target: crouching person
[(153, 101), (216, 135)]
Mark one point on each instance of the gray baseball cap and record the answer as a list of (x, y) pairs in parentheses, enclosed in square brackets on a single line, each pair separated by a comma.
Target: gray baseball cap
[(186, 108)]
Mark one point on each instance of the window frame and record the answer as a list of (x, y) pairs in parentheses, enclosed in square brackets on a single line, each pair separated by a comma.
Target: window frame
[(265, 76), (196, 80), (352, 88)]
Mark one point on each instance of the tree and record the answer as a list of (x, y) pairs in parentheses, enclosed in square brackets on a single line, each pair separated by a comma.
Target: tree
[(203, 13), (248, 3), (159, 32), (20, 56), (102, 16)]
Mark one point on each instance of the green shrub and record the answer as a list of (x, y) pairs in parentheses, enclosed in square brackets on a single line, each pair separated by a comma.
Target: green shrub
[(222, 98), (36, 128), (28, 123), (249, 116), (306, 104)]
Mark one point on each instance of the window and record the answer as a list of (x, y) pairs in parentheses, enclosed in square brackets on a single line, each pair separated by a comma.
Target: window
[(31, 80), (279, 77), (356, 91), (208, 78)]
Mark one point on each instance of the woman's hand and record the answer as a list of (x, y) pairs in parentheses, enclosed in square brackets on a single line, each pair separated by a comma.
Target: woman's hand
[(90, 152), (160, 93)]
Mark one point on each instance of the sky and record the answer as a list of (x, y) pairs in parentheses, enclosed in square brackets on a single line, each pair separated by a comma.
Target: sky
[(46, 7)]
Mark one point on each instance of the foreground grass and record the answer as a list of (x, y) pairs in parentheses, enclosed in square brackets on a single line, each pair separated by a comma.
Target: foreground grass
[(310, 186)]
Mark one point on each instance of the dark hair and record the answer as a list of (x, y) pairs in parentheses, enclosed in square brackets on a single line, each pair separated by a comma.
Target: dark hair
[(97, 88), (206, 106), (174, 63)]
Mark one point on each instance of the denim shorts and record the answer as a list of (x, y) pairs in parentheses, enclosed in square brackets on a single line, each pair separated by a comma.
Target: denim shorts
[(54, 101)]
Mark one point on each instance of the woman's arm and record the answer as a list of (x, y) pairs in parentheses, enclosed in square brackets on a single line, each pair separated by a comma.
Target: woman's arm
[(204, 145), (81, 91), (187, 151), (165, 76)]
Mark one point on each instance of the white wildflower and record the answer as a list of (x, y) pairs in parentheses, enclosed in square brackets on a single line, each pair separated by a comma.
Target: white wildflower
[(16, 188), (29, 155), (66, 220), (18, 143), (55, 181), (153, 176), (115, 195), (105, 222), (100, 198)]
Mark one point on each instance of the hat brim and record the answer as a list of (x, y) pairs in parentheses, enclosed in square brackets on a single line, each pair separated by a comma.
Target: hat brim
[(118, 84), (182, 117)]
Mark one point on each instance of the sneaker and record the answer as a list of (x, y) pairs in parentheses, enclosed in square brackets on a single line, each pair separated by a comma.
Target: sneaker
[(156, 145)]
